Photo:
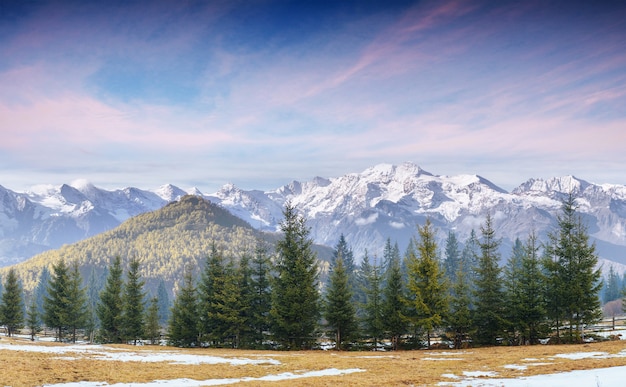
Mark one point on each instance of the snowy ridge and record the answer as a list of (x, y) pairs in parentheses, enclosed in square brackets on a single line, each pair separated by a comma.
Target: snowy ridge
[(383, 201)]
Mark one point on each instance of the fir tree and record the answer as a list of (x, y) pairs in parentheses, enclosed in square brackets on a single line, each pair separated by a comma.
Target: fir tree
[(93, 297), (427, 286), (295, 310), (489, 296), (612, 287), (452, 259), (373, 323), (152, 329), (212, 282), (574, 279), (339, 311), (394, 310), (460, 317), (76, 312), (183, 324), (56, 303), (133, 304), (109, 310), (32, 319), (41, 291), (245, 299), (164, 303), (12, 305), (261, 301), (513, 291)]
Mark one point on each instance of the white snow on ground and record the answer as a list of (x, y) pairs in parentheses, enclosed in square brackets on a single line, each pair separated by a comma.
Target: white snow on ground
[(99, 352), (215, 382), (605, 377), (589, 355)]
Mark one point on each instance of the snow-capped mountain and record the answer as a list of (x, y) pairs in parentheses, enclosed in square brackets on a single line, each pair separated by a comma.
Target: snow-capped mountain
[(46, 217), (384, 201)]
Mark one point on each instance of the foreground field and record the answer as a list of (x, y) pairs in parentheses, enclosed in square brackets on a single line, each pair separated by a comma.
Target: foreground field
[(35, 364)]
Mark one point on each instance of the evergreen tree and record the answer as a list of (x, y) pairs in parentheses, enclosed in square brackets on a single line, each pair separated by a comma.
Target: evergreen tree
[(489, 296), (76, 312), (32, 319), (373, 323), (56, 303), (109, 310), (575, 281), (164, 303), (93, 297), (261, 301), (245, 299), (212, 282), (343, 250), (525, 292), (460, 317), (295, 310), (41, 291), (183, 324), (12, 305), (339, 311), (133, 304), (469, 257), (394, 310), (152, 329), (427, 285), (452, 259), (612, 287)]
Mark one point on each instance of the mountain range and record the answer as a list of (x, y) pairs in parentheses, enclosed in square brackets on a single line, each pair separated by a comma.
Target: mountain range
[(384, 201)]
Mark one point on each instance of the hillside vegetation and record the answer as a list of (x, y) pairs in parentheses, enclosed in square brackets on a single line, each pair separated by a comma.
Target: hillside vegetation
[(163, 241)]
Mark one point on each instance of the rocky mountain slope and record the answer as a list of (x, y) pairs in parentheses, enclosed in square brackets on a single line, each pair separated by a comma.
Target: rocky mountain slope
[(384, 201)]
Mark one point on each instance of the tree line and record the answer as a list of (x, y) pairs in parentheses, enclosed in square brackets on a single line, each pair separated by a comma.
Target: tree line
[(265, 300)]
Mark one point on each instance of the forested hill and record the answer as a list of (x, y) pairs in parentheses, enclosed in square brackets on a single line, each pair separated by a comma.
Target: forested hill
[(164, 241)]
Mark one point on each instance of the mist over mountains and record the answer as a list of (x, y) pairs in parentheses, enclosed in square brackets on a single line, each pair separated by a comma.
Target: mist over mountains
[(384, 201)]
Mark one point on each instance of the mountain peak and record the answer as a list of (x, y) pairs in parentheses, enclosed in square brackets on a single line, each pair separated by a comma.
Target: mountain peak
[(555, 185)]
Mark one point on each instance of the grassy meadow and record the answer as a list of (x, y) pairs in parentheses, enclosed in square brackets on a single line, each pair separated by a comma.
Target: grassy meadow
[(418, 368)]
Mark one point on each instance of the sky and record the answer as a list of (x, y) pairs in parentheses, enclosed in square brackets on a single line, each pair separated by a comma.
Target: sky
[(260, 93)]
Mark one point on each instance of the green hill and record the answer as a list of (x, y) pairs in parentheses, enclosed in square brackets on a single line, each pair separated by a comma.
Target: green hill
[(163, 241)]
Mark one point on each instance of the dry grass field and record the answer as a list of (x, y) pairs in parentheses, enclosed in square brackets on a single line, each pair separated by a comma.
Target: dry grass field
[(23, 365)]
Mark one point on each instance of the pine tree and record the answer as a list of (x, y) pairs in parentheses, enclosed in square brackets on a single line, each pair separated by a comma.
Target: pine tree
[(612, 287), (152, 329), (164, 303), (295, 310), (489, 296), (460, 317), (109, 310), (513, 292), (212, 282), (394, 309), (245, 299), (133, 304), (574, 281), (532, 283), (93, 297), (339, 311), (41, 291), (427, 285), (452, 259), (183, 324), (32, 319), (261, 301), (56, 303), (76, 312), (12, 305), (373, 323)]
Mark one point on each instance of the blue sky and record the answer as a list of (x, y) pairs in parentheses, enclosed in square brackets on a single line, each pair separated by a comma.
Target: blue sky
[(258, 93)]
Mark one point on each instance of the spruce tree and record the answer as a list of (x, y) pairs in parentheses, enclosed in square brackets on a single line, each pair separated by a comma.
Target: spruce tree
[(152, 329), (460, 319), (452, 258), (109, 310), (212, 283), (489, 296), (261, 301), (41, 291), (164, 303), (573, 278), (612, 287), (394, 310), (183, 324), (32, 319), (245, 299), (56, 303), (338, 308), (133, 304), (76, 312), (513, 292), (427, 286), (12, 305), (295, 310), (373, 320)]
